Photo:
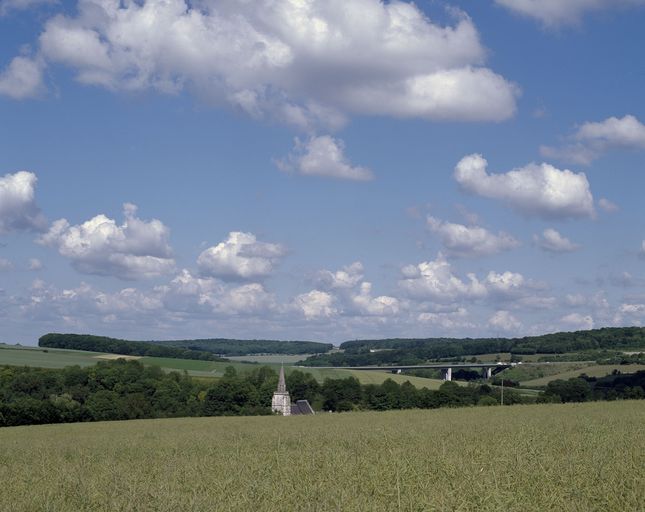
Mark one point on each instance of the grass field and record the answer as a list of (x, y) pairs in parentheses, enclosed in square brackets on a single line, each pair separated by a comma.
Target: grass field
[(271, 358), (587, 457)]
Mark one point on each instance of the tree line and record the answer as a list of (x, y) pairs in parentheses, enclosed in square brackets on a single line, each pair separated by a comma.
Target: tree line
[(229, 347), (418, 351), (123, 347), (121, 390)]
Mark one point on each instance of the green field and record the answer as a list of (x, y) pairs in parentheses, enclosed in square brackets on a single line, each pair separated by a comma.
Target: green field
[(587, 457)]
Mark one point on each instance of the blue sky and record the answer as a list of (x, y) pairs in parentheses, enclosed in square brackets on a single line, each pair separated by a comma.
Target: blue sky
[(322, 170)]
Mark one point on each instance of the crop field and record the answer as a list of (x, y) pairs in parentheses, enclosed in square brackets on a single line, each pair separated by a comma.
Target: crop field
[(45, 358), (583, 457)]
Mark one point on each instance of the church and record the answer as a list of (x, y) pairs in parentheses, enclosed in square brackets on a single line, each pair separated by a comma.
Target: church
[(281, 402)]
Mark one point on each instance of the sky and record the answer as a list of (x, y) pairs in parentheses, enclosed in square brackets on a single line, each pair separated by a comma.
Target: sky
[(320, 169)]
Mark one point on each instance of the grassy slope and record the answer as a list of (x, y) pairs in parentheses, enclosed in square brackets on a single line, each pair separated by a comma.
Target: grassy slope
[(524, 458)]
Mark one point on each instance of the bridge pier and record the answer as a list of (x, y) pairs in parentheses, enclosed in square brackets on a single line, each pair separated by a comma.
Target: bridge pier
[(488, 373), (447, 374)]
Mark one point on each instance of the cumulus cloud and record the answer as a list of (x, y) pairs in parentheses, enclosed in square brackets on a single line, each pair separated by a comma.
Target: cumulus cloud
[(35, 264), (535, 189), (22, 78), (552, 241), (503, 320), (435, 280), (470, 241), (135, 249), (240, 256), (316, 304), (448, 320), (591, 140), (577, 321), (323, 156), (5, 265), (367, 305), (18, 208), (642, 250), (348, 277), (561, 12), (305, 63)]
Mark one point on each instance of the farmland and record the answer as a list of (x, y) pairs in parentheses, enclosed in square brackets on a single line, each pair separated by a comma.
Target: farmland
[(523, 458), (60, 358)]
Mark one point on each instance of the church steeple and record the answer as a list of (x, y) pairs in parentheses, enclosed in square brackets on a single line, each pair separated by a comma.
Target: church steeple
[(282, 386), (281, 402)]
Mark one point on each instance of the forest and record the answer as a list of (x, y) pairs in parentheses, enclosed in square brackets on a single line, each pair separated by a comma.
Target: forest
[(230, 347), (418, 351), (123, 347)]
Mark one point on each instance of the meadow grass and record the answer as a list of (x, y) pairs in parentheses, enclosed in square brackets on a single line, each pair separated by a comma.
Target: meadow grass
[(574, 457)]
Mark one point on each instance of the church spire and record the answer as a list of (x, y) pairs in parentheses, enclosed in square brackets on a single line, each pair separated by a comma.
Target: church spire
[(282, 386)]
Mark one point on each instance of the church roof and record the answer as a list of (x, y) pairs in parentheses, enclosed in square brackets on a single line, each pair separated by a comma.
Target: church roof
[(301, 407)]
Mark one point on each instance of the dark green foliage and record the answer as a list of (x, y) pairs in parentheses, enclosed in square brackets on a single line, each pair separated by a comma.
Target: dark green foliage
[(226, 347), (418, 351), (123, 347), (584, 388)]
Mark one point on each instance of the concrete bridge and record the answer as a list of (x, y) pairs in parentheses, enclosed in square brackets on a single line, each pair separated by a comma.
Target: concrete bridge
[(488, 369)]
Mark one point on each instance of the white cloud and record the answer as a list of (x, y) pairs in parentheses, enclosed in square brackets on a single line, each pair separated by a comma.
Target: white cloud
[(449, 320), (99, 246), (552, 241), (316, 304), (591, 140), (560, 12), (22, 78), (577, 321), (35, 264), (607, 205), (502, 320), (642, 249), (506, 284), (18, 208), (5, 265), (470, 241), (382, 305), (633, 310), (435, 280), (348, 277), (240, 256), (306, 63), (535, 189), (323, 156)]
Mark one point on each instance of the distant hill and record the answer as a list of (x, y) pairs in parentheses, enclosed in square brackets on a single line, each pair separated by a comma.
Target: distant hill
[(209, 349), (229, 347), (419, 350), (123, 347)]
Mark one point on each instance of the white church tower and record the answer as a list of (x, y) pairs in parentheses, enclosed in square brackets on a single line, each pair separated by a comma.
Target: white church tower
[(281, 402)]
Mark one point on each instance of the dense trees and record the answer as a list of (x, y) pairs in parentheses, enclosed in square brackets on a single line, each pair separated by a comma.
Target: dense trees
[(418, 351), (206, 349), (227, 347), (123, 347), (119, 390)]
